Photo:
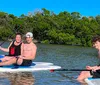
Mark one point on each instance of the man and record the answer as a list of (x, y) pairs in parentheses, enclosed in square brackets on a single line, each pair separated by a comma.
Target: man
[(29, 51), (95, 70), (27, 55)]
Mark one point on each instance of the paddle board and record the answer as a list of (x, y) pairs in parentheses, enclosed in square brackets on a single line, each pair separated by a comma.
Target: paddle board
[(36, 66), (42, 63), (92, 81)]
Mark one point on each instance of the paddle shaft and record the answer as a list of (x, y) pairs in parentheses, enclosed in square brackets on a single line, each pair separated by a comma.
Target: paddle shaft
[(69, 70)]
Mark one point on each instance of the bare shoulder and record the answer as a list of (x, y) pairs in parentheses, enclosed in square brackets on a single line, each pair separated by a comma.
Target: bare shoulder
[(34, 46), (22, 44)]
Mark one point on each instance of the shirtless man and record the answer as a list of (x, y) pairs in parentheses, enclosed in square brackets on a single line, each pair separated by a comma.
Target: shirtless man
[(27, 55), (29, 51)]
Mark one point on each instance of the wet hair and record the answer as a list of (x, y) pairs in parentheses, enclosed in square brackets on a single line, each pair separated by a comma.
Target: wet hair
[(19, 34), (96, 38)]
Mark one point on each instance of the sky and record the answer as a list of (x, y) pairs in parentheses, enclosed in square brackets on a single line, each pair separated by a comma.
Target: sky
[(18, 7)]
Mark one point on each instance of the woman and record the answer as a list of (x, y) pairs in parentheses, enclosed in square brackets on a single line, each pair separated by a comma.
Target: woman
[(14, 48)]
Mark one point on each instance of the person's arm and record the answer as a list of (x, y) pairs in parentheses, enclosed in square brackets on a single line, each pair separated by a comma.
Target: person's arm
[(96, 68), (5, 49), (91, 67), (22, 46)]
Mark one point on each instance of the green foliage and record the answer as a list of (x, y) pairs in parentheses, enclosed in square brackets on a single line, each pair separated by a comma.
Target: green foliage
[(45, 41), (48, 27)]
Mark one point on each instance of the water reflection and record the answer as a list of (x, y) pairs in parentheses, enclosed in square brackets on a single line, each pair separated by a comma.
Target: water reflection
[(68, 77), (18, 78)]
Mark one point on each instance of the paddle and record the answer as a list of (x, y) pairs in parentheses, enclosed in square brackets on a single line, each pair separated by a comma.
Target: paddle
[(15, 30), (52, 70)]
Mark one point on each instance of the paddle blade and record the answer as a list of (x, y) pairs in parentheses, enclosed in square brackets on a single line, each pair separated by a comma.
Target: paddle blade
[(52, 70)]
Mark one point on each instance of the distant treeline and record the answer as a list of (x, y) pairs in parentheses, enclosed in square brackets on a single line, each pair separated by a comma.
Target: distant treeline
[(48, 27)]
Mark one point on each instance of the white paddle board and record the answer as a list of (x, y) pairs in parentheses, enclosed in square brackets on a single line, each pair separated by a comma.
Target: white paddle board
[(40, 66), (42, 63), (92, 81)]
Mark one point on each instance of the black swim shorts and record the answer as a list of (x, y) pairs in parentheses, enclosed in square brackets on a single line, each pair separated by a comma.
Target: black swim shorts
[(95, 74), (26, 62)]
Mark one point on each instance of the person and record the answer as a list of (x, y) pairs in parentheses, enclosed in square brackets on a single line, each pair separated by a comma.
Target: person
[(28, 53), (95, 70), (14, 49)]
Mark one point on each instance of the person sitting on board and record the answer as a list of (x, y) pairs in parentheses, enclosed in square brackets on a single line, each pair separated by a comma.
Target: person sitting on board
[(95, 70), (28, 53), (14, 49)]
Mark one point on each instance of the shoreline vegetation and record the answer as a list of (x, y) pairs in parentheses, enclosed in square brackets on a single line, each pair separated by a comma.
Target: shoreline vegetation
[(47, 27), (34, 40)]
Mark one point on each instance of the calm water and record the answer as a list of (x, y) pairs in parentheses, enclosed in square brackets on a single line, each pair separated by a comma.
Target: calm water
[(69, 57)]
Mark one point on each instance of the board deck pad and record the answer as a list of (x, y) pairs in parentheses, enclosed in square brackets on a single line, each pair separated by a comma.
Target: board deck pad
[(92, 81), (36, 66)]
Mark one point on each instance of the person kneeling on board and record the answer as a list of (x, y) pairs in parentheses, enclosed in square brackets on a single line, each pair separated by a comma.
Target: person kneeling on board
[(28, 53), (95, 70)]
